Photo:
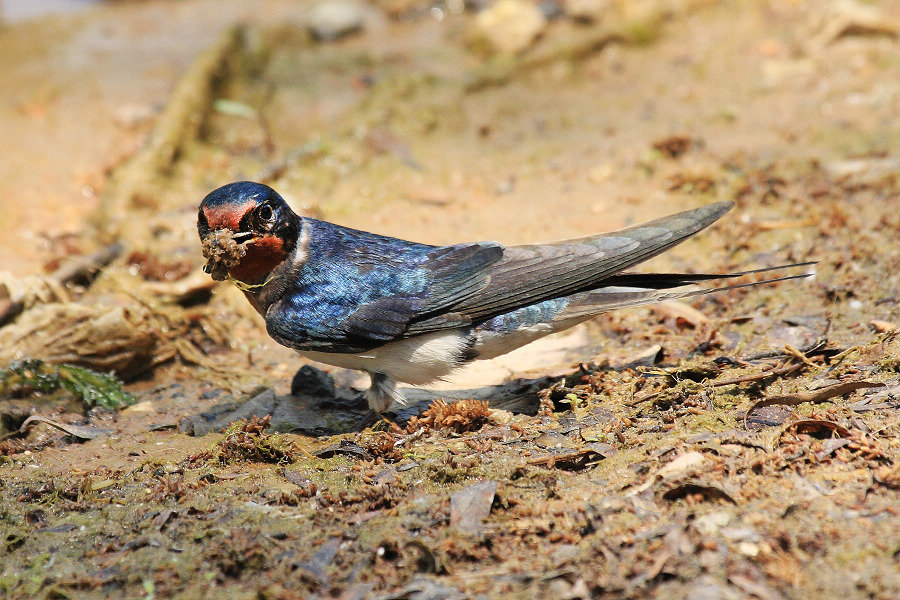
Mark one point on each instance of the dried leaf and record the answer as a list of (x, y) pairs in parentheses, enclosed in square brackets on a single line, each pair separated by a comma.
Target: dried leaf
[(471, 505), (575, 460), (681, 464), (162, 518), (21, 293), (708, 492), (79, 431), (887, 398), (815, 426), (680, 311), (322, 559), (882, 326), (831, 444), (344, 447), (689, 461)]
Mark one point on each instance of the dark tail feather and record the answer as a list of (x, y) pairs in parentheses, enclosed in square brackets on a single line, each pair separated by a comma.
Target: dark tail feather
[(635, 289), (664, 281)]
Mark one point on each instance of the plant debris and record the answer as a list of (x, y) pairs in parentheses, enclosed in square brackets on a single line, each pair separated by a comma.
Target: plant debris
[(814, 396), (123, 339), (461, 416), (693, 493), (246, 441), (574, 460), (470, 506), (91, 387), (153, 268), (79, 431), (674, 145)]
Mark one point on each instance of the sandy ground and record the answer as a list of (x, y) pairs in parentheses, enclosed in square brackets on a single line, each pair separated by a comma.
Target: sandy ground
[(752, 453)]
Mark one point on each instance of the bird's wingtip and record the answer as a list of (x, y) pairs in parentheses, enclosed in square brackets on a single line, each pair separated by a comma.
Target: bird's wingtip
[(719, 208)]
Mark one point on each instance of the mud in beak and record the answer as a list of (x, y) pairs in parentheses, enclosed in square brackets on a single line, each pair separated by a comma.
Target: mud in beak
[(223, 249)]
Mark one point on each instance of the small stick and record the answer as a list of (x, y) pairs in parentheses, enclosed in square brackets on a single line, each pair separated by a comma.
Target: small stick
[(76, 268)]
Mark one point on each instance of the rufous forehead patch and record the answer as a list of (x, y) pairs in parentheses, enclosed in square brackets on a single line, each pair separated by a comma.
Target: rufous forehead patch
[(228, 216)]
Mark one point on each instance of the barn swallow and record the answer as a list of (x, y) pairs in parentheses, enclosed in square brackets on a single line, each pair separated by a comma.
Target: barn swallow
[(409, 312)]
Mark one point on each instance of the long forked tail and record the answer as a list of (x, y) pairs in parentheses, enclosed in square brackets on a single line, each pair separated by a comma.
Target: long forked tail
[(639, 289), (506, 332)]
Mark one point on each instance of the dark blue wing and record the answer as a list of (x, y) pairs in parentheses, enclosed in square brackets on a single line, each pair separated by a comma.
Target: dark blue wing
[(358, 290), (529, 275), (533, 273)]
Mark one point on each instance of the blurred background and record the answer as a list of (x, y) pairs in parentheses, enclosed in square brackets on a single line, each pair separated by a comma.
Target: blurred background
[(438, 121)]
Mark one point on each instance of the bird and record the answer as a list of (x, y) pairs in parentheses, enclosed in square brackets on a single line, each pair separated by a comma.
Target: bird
[(414, 313)]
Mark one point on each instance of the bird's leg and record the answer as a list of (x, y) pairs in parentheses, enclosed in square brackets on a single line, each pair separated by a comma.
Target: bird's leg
[(383, 392)]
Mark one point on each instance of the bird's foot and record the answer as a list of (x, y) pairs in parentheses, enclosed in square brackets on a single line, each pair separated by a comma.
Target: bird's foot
[(383, 392), (378, 421)]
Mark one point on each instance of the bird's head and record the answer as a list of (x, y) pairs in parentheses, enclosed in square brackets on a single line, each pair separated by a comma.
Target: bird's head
[(246, 230)]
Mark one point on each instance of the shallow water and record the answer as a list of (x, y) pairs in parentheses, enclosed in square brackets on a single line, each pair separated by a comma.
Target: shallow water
[(16, 11)]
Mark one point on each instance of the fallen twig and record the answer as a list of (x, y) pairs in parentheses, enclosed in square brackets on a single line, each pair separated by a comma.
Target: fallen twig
[(813, 396), (777, 372), (74, 269)]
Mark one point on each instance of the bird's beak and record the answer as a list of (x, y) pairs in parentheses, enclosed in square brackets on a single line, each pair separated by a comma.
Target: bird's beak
[(244, 237)]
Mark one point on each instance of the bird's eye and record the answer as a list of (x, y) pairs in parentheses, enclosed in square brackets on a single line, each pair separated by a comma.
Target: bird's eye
[(266, 216)]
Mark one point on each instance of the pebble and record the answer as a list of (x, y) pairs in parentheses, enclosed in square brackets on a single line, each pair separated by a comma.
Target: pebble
[(586, 11), (133, 114), (551, 9), (511, 25), (313, 382), (333, 19)]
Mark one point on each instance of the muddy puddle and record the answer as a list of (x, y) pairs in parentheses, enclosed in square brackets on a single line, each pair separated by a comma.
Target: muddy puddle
[(737, 445)]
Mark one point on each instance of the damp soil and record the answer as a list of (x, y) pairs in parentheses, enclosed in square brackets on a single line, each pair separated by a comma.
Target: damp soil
[(740, 445)]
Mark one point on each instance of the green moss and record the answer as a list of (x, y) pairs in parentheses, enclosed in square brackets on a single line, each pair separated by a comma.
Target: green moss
[(91, 387), (246, 441)]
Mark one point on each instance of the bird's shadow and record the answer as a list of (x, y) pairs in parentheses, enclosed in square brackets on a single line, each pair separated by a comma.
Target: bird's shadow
[(316, 407)]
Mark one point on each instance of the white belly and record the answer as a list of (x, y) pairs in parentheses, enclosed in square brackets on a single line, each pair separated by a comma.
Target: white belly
[(417, 361)]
